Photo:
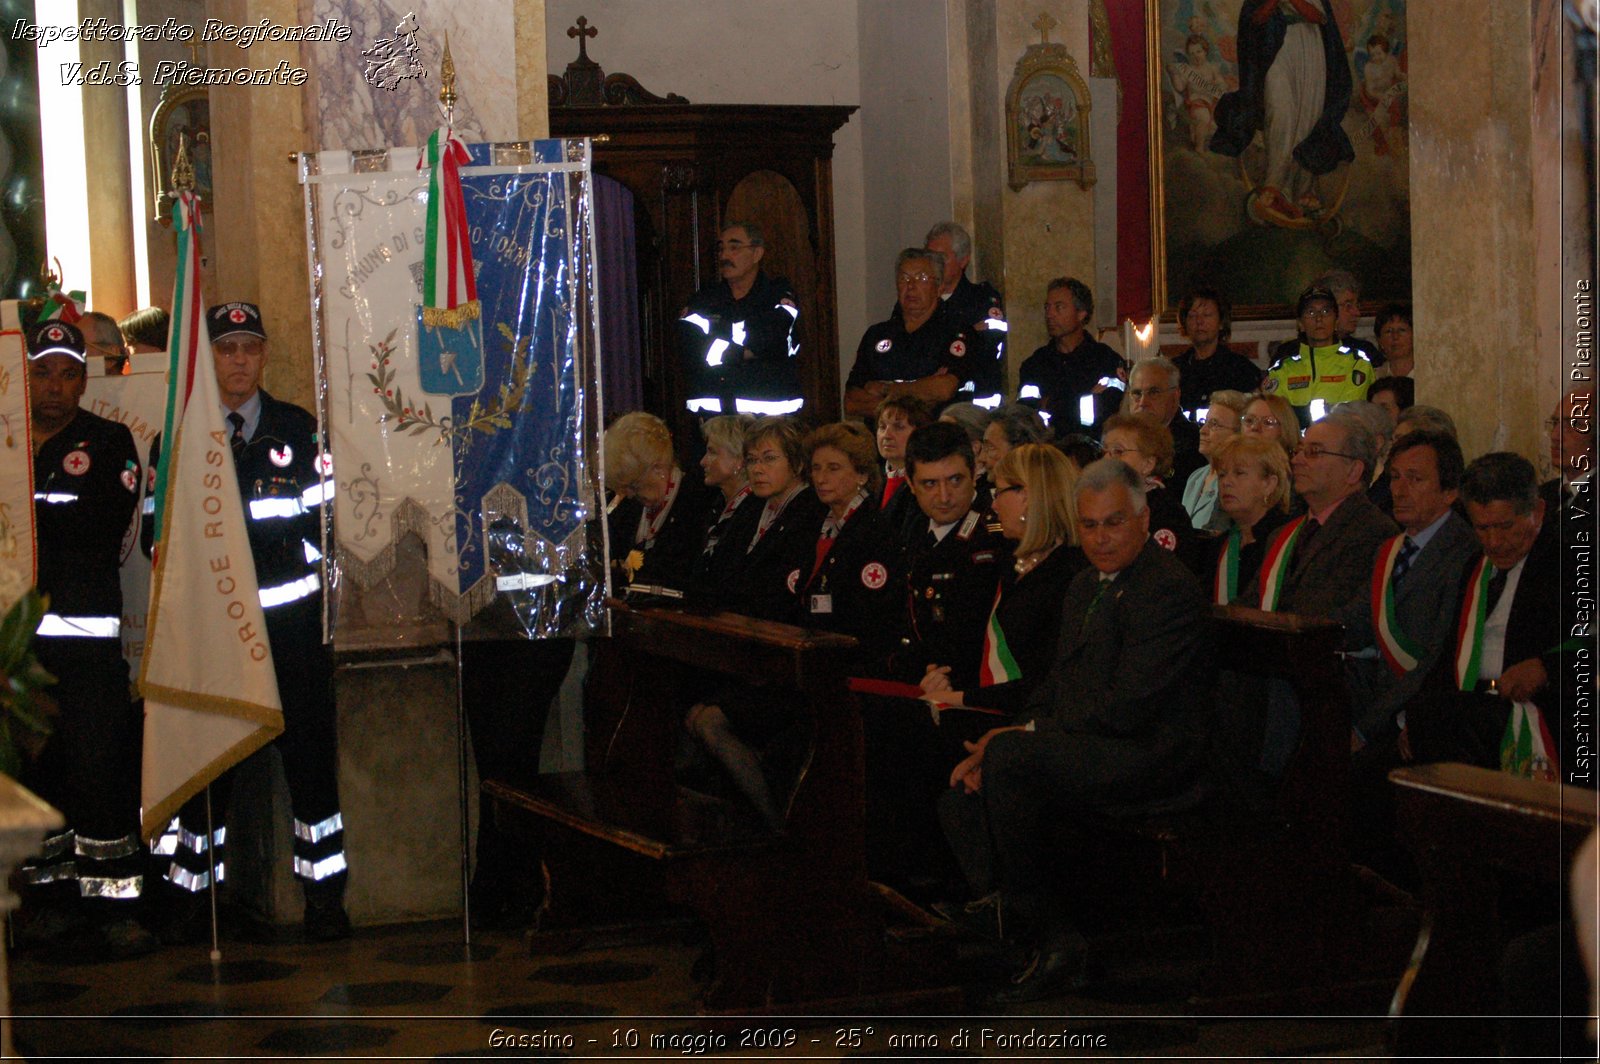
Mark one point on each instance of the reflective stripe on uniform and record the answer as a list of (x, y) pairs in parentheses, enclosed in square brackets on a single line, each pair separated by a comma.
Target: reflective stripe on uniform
[(197, 843), (105, 849), (166, 843), (768, 407), (266, 509), (58, 844), (316, 494), (39, 875), (110, 886), (315, 833), (313, 555), (737, 331), (82, 627), (1029, 391), (293, 591), (704, 405), (715, 352), (193, 882), (988, 402), (54, 496), (996, 325), (699, 321), (317, 871)]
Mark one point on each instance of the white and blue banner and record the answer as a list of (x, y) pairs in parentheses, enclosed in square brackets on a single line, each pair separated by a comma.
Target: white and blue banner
[(463, 486)]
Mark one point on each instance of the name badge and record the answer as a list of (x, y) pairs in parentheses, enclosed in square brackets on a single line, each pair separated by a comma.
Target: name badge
[(821, 603)]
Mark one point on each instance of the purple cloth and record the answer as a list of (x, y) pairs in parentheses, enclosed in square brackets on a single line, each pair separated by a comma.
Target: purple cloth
[(621, 366)]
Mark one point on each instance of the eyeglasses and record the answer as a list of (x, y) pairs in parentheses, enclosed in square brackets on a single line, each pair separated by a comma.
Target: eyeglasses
[(1318, 313), (238, 347), (1251, 421), (1118, 452), (1316, 450), (1213, 423), (1009, 487), (734, 245), (1148, 393), (914, 278)]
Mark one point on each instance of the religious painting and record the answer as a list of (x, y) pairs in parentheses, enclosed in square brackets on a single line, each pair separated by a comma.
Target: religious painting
[(181, 118), (1279, 148), (1047, 119)]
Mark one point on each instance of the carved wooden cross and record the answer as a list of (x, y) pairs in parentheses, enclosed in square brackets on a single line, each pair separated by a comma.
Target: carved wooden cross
[(1044, 24), (582, 31)]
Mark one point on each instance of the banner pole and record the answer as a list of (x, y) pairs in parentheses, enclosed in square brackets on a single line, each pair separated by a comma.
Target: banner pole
[(211, 885), (461, 774)]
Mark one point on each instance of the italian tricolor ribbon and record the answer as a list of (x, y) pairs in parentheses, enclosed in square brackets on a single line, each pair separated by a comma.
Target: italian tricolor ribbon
[(1398, 651), (66, 306), (449, 289), (1275, 566), (1469, 629), (1226, 585), (1527, 748), (998, 664)]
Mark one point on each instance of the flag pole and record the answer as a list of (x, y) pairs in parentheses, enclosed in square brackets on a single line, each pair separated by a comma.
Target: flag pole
[(461, 775), (211, 883)]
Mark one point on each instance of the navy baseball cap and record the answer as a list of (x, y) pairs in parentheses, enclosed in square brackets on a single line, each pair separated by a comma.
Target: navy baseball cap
[(56, 338), (226, 318), (1314, 295)]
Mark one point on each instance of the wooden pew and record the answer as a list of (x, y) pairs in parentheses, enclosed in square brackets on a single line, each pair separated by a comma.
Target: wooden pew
[(1271, 867), (789, 913), (1467, 828)]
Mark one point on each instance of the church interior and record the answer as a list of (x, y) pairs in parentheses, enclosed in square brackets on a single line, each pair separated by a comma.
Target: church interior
[(846, 128)]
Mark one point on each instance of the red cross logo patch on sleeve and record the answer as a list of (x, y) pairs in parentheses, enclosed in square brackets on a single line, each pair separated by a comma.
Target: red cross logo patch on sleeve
[(874, 576), (958, 348), (76, 463), (884, 345), (794, 580), (281, 458), (130, 479), (1165, 538)]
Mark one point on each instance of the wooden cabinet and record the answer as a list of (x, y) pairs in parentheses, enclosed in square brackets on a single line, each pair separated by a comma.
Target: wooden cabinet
[(691, 169)]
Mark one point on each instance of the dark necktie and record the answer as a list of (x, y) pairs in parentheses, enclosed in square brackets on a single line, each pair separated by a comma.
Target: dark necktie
[(1099, 593), (1402, 564), (237, 440), (1497, 587)]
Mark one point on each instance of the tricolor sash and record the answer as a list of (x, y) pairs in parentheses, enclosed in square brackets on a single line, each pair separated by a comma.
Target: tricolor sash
[(1226, 584), (1398, 651), (998, 664), (1275, 566), (1469, 629), (1527, 749)]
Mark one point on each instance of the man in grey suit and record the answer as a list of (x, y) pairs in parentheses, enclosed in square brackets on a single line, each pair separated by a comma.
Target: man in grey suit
[(1406, 621), (1119, 725), (1331, 567)]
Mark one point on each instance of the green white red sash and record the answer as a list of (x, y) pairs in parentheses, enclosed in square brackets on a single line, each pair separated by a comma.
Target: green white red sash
[(1225, 587), (1469, 629), (1527, 749), (998, 664), (1275, 566), (1398, 651), (449, 288)]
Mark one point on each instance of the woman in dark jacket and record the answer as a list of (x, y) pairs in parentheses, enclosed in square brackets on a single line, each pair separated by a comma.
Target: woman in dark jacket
[(656, 521), (1033, 498), (1253, 491)]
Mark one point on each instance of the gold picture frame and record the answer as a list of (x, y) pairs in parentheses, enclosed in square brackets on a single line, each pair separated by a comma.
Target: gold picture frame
[(1047, 119), (182, 115)]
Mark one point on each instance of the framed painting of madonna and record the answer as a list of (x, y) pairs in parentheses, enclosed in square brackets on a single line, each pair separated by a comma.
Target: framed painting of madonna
[(1279, 149)]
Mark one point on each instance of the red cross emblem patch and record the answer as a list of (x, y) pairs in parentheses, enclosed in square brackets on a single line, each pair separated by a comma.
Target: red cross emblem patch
[(237, 316), (76, 463), (794, 580), (874, 576), (56, 334), (1165, 538), (281, 458), (884, 345), (130, 480), (958, 348)]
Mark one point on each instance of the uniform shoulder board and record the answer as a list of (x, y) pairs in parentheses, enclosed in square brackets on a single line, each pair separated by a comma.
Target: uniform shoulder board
[(994, 527), (967, 526)]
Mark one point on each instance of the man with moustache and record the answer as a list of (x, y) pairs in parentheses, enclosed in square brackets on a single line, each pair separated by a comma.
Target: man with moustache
[(977, 308), (739, 338), (920, 352)]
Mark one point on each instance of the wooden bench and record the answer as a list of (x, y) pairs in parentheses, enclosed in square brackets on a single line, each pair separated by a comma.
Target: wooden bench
[(1467, 827), (1269, 861), (789, 913)]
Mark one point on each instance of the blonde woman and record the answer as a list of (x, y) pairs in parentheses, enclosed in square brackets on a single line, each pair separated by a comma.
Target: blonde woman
[(656, 518)]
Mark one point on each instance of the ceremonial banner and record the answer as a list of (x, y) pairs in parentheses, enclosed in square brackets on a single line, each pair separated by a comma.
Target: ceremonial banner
[(211, 696), (137, 399), (17, 544), (464, 491)]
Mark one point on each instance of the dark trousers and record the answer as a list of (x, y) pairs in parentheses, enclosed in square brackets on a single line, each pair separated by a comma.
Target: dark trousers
[(89, 769), (310, 752), (507, 688)]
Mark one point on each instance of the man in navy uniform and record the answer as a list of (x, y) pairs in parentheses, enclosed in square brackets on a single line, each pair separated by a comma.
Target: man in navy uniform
[(277, 458), (740, 337), (85, 483), (1073, 367), (921, 351), (975, 306)]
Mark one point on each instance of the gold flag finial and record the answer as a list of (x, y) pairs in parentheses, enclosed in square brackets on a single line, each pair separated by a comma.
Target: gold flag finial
[(447, 77), (182, 168)]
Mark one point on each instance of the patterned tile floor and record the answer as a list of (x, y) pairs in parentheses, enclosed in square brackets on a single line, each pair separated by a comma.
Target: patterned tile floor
[(415, 992)]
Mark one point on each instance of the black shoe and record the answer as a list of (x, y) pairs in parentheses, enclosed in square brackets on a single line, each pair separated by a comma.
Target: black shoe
[(326, 920), (980, 917), (1050, 973), (125, 939)]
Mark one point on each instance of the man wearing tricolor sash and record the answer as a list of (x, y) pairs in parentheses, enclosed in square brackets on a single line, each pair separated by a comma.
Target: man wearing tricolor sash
[(1491, 701), (1397, 635)]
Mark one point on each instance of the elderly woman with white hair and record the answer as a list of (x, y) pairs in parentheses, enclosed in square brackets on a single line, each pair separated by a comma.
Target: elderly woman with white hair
[(655, 520)]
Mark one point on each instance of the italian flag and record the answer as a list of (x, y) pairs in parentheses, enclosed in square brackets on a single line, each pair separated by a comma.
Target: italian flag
[(1527, 749), (1469, 629), (1398, 651), (998, 664), (1275, 566)]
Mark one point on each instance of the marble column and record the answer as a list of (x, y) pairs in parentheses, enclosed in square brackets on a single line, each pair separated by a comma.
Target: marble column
[(1485, 219), (112, 287)]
